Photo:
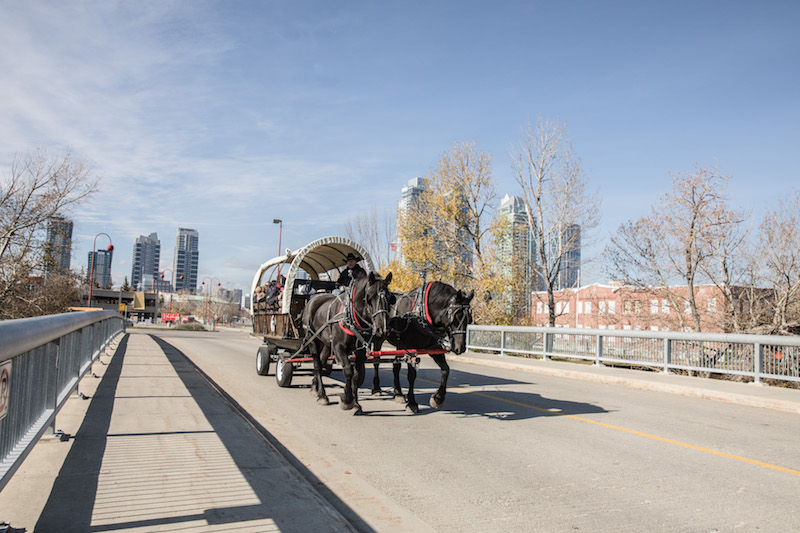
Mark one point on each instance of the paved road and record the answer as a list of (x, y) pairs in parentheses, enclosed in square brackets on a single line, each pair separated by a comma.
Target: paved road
[(518, 447), (514, 451)]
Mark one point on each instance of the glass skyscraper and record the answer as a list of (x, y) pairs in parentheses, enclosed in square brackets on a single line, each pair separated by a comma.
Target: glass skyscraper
[(59, 245), (186, 261), (146, 260)]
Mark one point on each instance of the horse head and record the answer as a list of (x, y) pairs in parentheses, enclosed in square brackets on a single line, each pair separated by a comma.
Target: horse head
[(378, 299), (458, 318)]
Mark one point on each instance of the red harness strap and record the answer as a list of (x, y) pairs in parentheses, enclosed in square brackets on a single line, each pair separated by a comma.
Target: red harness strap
[(355, 317), (425, 303)]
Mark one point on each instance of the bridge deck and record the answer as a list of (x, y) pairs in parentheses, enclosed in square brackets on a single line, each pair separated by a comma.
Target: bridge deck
[(160, 450)]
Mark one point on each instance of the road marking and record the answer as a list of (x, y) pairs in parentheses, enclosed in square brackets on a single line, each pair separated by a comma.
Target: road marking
[(626, 430)]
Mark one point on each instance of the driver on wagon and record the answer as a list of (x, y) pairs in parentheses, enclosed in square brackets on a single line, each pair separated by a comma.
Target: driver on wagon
[(353, 271)]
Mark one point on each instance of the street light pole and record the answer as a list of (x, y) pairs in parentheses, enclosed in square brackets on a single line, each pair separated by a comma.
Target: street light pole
[(110, 248), (280, 233), (208, 296)]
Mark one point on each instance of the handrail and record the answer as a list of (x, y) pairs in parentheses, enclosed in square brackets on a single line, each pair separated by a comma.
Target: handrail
[(23, 334), (42, 359), (757, 356)]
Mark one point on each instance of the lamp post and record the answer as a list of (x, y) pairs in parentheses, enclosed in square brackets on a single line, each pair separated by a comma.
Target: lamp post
[(110, 248), (170, 285), (208, 296), (280, 233)]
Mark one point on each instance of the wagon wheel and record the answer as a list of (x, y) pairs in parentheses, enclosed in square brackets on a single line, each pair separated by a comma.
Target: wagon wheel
[(265, 354), (283, 372)]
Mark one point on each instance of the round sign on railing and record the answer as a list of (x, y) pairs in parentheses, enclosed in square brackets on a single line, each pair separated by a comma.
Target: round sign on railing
[(5, 388)]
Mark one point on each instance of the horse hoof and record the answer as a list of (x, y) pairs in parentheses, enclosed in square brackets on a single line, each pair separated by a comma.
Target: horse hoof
[(399, 398), (435, 404), (323, 401), (377, 392), (412, 408), (357, 411), (344, 405)]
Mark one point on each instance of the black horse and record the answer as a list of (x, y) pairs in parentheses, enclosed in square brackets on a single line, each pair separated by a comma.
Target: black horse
[(344, 325), (434, 315)]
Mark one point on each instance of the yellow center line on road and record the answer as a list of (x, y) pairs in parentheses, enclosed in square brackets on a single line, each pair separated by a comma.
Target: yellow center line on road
[(626, 430)]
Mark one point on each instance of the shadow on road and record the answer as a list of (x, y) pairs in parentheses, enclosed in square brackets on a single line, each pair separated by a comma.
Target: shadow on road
[(468, 394), (208, 396)]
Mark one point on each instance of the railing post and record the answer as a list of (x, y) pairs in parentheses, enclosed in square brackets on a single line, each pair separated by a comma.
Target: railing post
[(757, 363), (502, 342), (598, 350), (548, 345), (667, 355)]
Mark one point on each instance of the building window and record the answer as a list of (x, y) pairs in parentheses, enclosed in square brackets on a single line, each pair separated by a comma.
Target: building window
[(653, 328), (538, 308), (611, 307), (637, 307), (665, 307), (628, 305), (602, 306), (653, 307), (712, 305), (587, 307), (687, 309), (566, 307), (558, 308)]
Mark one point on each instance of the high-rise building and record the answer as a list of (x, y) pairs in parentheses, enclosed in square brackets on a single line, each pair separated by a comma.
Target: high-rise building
[(101, 271), (409, 199), (186, 261), (518, 251), (58, 245), (146, 261), (567, 245)]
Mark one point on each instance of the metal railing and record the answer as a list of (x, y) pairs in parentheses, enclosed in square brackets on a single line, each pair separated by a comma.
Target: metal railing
[(757, 356), (42, 359)]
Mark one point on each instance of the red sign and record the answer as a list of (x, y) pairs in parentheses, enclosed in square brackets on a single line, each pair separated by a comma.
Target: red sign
[(170, 317)]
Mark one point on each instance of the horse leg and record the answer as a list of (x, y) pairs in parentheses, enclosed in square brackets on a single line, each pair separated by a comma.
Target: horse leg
[(376, 381), (348, 399), (376, 378), (317, 387), (398, 389), (411, 404), (437, 399)]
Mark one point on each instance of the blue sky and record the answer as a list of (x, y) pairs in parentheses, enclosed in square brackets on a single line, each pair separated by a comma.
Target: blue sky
[(221, 116)]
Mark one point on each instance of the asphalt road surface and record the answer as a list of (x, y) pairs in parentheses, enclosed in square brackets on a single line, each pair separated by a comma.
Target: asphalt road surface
[(521, 452)]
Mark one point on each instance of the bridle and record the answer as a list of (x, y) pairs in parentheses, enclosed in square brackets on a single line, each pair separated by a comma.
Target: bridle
[(420, 308), (355, 321)]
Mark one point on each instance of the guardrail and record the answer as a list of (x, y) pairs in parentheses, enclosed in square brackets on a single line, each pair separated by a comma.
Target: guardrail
[(758, 356), (42, 359)]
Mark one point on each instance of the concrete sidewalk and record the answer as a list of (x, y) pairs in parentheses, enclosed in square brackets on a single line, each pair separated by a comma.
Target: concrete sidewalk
[(158, 449), (749, 394)]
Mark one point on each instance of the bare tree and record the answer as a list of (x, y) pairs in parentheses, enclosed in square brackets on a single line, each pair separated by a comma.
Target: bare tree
[(376, 233), (39, 186), (780, 239), (689, 235), (561, 209)]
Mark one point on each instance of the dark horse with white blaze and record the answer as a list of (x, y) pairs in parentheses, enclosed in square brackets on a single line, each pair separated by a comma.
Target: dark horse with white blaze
[(344, 325), (434, 315)]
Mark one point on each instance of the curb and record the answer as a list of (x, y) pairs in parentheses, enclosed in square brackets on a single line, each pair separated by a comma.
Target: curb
[(682, 390)]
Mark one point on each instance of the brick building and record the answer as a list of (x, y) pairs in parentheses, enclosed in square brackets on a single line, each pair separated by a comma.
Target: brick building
[(600, 306)]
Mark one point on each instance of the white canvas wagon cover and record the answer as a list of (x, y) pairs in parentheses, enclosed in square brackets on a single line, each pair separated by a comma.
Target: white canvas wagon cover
[(315, 259)]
